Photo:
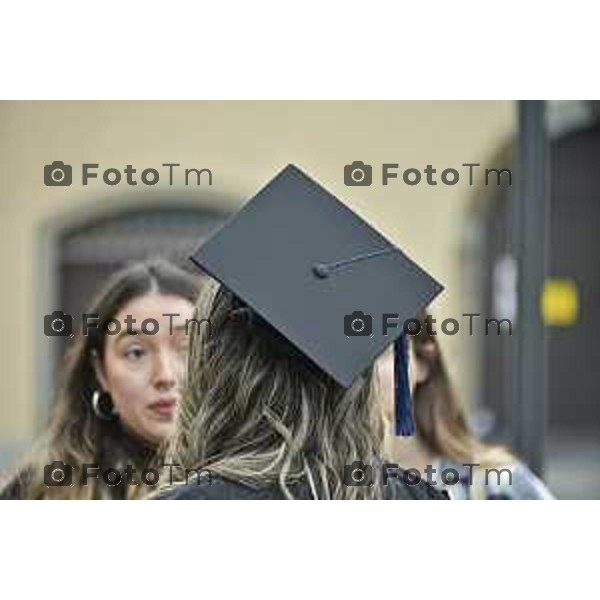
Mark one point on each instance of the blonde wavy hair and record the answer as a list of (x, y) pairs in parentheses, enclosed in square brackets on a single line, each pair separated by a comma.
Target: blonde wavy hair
[(258, 412)]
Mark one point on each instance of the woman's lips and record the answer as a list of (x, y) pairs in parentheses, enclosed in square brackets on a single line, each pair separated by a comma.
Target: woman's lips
[(165, 407)]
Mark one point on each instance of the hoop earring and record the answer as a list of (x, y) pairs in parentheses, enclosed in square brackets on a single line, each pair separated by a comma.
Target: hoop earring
[(103, 405)]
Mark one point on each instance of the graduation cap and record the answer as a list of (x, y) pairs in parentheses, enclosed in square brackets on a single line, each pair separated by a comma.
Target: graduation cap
[(323, 278)]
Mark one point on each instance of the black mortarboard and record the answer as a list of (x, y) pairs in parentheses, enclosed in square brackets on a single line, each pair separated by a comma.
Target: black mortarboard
[(322, 277)]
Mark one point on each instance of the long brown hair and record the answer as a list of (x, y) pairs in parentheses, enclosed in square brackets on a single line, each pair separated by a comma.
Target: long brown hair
[(75, 434), (257, 411), (441, 418)]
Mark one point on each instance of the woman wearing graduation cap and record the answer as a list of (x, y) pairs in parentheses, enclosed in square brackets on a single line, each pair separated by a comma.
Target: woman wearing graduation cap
[(282, 399)]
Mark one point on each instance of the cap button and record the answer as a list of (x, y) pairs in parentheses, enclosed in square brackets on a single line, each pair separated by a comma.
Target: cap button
[(321, 270)]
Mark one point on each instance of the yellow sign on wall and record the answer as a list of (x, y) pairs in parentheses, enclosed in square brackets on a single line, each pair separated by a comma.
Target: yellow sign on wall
[(560, 302)]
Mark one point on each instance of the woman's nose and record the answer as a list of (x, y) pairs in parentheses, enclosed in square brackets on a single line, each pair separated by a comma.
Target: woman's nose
[(165, 373)]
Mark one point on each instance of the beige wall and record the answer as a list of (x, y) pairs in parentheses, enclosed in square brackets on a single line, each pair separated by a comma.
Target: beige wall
[(244, 143)]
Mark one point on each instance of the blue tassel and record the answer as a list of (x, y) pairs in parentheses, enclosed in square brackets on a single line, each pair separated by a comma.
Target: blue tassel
[(405, 422)]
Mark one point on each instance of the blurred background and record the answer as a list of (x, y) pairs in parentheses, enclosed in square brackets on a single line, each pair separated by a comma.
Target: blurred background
[(529, 252)]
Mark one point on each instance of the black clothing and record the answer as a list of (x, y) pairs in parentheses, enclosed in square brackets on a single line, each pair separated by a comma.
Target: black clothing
[(222, 489)]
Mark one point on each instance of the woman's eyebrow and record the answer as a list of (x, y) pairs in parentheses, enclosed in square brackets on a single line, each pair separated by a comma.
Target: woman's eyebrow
[(124, 332), (134, 332)]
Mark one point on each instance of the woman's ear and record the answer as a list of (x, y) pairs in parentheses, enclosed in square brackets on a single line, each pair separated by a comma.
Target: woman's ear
[(99, 371)]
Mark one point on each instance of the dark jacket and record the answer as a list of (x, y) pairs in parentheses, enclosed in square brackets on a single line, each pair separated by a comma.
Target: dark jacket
[(222, 489)]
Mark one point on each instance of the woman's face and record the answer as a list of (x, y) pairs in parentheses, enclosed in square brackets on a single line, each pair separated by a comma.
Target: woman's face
[(143, 373), (385, 373)]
